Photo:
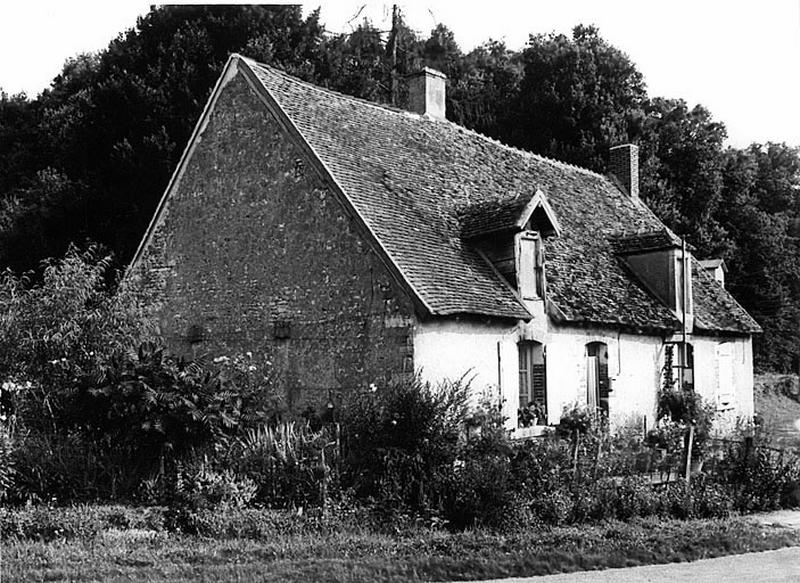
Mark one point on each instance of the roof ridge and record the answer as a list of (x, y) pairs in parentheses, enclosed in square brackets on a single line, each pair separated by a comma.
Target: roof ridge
[(539, 157), (399, 110), (382, 106)]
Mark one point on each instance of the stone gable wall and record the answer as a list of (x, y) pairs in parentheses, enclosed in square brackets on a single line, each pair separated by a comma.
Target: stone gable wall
[(253, 252)]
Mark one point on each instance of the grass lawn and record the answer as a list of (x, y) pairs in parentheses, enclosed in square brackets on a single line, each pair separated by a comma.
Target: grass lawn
[(415, 555)]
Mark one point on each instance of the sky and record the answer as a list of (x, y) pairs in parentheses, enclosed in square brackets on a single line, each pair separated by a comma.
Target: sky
[(739, 58)]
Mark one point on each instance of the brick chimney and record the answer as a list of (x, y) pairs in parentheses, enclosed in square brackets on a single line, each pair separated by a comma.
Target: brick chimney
[(623, 165), (426, 91)]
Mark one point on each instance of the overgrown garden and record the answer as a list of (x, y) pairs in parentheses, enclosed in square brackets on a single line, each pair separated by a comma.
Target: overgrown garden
[(94, 410)]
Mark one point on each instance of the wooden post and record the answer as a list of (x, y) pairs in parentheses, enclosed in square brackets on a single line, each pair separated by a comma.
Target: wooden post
[(597, 457), (689, 454), (338, 432), (575, 455), (323, 487), (393, 55)]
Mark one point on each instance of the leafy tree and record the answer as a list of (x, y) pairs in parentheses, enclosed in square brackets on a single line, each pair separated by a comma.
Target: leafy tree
[(482, 97), (113, 124), (65, 327), (356, 64), (681, 170), (578, 96), (20, 140), (760, 209)]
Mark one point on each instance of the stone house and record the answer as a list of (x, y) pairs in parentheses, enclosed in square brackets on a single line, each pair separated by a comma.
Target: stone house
[(346, 243)]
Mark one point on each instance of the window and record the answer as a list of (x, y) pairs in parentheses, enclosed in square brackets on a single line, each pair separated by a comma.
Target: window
[(530, 266), (532, 384), (679, 365), (598, 387)]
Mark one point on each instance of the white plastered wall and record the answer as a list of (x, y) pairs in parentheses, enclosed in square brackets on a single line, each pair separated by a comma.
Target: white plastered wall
[(634, 364), (706, 367), (483, 350), (486, 351)]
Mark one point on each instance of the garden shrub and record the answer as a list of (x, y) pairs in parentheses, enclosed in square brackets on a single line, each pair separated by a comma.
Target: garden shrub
[(679, 409), (483, 490), (542, 465), (156, 404), (64, 467), (757, 477), (201, 486), (69, 324), (552, 508), (46, 523), (290, 464), (141, 414), (402, 441), (579, 419), (620, 499), (710, 499)]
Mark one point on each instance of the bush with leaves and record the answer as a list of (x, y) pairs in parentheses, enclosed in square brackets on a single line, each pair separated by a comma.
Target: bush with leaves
[(291, 465), (679, 409), (58, 467), (482, 489), (757, 477), (69, 324), (156, 404), (401, 442), (130, 420), (580, 420)]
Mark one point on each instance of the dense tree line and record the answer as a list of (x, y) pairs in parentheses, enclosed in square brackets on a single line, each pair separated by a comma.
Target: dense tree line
[(88, 159)]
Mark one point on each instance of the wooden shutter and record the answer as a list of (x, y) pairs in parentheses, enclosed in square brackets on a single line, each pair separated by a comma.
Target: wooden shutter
[(725, 378), (591, 382), (526, 266), (524, 374)]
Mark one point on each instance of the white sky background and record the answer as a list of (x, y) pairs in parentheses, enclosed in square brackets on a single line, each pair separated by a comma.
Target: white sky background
[(739, 58)]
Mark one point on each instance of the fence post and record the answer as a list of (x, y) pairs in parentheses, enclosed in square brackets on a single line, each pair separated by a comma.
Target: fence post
[(689, 454), (575, 455), (597, 457), (748, 447)]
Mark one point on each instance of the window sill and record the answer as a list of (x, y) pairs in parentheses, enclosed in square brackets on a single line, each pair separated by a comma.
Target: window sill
[(532, 431)]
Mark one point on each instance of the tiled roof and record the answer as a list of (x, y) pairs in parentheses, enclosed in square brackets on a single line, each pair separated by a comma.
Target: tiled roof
[(491, 216), (410, 178), (631, 243), (713, 264), (716, 310)]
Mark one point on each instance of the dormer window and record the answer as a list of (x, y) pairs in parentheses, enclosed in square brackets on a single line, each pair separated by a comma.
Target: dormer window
[(510, 234), (663, 264)]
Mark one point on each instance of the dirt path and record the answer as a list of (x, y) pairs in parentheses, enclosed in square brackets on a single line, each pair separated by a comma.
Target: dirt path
[(781, 566)]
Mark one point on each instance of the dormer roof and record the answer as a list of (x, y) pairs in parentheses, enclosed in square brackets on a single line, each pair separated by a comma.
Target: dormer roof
[(510, 215), (644, 241)]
